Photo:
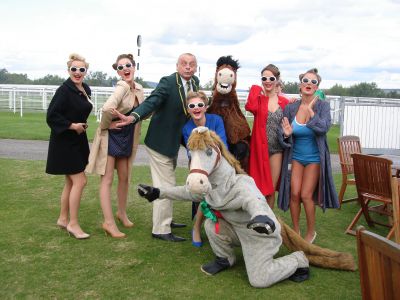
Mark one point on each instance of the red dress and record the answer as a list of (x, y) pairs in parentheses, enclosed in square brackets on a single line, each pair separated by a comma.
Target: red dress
[(259, 167)]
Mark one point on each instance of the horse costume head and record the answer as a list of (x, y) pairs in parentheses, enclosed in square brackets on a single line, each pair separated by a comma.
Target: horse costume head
[(225, 75), (206, 151), (225, 103)]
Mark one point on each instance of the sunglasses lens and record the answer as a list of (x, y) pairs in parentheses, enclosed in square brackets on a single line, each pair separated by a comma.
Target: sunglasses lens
[(200, 105), (191, 106), (272, 78), (314, 81), (128, 65), (82, 70), (120, 67), (304, 80), (263, 78), (73, 69)]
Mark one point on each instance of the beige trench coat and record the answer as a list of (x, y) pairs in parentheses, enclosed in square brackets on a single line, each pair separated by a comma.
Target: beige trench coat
[(123, 99)]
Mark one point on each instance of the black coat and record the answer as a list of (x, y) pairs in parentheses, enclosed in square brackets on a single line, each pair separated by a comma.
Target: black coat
[(68, 151)]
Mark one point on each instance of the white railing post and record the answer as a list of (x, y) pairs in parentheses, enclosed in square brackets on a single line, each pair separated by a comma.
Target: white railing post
[(44, 99), (14, 102), (20, 103)]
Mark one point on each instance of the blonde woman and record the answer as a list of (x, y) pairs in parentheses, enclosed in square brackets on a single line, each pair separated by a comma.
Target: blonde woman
[(115, 148), (68, 146)]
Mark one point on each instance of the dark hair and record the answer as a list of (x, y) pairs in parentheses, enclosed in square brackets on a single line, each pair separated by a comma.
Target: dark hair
[(273, 69), (311, 71), (121, 56)]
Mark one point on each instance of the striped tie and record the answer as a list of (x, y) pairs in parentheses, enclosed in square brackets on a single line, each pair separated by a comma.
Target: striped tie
[(188, 88)]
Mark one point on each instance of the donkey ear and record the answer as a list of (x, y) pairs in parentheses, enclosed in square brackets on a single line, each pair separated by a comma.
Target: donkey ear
[(200, 129)]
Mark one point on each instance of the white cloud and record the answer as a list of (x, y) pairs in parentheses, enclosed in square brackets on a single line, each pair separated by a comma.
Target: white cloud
[(349, 41)]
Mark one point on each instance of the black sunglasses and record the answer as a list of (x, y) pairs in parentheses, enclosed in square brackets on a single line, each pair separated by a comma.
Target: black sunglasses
[(306, 80), (270, 78), (81, 69), (128, 65)]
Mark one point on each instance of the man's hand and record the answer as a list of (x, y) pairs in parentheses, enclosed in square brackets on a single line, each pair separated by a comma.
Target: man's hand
[(124, 120), (148, 192)]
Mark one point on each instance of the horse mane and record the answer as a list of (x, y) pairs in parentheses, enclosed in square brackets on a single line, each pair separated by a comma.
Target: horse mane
[(203, 140)]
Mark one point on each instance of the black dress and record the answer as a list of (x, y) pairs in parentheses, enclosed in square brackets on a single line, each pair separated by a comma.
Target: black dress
[(68, 151)]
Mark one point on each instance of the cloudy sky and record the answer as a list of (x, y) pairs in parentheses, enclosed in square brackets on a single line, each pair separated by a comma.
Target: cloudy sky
[(349, 41)]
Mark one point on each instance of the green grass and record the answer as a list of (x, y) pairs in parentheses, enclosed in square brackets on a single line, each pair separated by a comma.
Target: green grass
[(38, 260), (33, 126)]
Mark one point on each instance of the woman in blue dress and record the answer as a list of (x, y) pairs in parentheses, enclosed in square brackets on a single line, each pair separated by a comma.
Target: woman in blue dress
[(305, 125)]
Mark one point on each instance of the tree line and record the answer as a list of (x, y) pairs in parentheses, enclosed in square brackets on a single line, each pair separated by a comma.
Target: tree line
[(98, 78)]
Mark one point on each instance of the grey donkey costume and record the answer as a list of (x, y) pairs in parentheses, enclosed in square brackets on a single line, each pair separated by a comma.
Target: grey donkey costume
[(238, 200)]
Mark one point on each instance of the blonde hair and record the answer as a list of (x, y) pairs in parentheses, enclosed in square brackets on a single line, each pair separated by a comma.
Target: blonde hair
[(76, 57), (203, 140), (198, 94)]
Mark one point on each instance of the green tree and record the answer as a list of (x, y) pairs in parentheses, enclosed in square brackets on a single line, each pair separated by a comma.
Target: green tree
[(96, 78), (49, 80), (290, 87), (337, 90), (365, 89)]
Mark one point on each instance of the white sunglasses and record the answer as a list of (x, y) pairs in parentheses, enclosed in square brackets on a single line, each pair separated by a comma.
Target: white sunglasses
[(194, 105)]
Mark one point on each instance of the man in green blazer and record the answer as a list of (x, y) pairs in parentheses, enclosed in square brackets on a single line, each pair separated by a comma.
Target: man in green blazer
[(167, 103)]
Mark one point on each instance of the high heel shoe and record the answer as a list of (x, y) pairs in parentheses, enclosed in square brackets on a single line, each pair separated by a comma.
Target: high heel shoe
[(115, 235), (313, 238), (126, 224), (196, 244), (78, 236)]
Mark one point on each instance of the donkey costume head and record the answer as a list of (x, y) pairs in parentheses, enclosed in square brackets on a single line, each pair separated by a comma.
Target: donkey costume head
[(206, 151)]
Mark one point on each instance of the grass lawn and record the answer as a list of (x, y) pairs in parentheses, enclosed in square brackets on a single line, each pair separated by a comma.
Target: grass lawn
[(38, 260), (32, 126)]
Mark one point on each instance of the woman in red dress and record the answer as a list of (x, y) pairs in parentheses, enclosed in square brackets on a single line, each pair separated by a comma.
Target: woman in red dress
[(265, 150)]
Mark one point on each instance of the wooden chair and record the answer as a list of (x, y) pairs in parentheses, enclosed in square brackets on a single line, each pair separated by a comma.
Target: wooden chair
[(347, 145), (379, 266), (374, 182)]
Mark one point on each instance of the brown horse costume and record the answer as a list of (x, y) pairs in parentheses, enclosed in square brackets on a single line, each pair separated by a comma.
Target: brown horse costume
[(226, 104)]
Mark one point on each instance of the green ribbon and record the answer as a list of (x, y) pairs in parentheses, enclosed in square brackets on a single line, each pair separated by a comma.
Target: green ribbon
[(320, 94), (207, 212)]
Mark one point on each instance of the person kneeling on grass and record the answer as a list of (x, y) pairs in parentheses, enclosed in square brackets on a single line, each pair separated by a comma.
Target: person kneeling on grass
[(258, 248)]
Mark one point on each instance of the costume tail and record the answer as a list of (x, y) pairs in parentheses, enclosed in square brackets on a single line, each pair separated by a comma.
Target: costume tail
[(317, 256)]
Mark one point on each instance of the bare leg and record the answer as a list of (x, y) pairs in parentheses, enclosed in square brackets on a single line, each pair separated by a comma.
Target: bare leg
[(105, 198), (64, 209), (295, 200), (78, 184), (199, 219), (123, 189), (310, 181), (275, 163)]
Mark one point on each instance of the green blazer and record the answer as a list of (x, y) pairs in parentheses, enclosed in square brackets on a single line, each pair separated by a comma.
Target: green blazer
[(168, 104)]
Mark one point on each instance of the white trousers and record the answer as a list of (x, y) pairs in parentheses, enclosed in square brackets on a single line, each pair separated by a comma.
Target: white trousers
[(163, 175)]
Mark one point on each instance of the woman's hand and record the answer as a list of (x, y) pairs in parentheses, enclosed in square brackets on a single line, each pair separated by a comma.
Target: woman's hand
[(286, 127), (78, 127), (124, 120), (311, 106)]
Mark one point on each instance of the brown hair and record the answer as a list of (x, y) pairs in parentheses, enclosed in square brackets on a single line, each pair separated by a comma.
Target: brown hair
[(312, 71), (198, 94), (273, 69), (76, 57), (121, 56)]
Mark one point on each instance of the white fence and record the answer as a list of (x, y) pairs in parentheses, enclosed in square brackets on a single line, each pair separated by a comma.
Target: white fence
[(374, 120)]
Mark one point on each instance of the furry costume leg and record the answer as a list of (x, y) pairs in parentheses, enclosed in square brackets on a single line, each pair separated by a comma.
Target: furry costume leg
[(258, 251)]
